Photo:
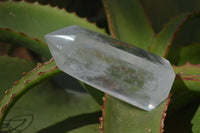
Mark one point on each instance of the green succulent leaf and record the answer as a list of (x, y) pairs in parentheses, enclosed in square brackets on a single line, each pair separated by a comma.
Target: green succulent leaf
[(46, 107), (166, 36), (184, 54), (196, 121), (36, 20), (121, 117), (128, 22), (190, 75), (7, 67), (11, 37), (164, 39), (41, 72), (187, 85), (160, 12)]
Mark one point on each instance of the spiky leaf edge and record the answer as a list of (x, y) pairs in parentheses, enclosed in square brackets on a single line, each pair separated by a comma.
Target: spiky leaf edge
[(169, 32), (42, 72), (19, 38)]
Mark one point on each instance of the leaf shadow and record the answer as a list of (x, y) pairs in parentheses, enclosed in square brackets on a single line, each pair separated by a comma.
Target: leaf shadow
[(181, 120), (73, 122), (182, 109)]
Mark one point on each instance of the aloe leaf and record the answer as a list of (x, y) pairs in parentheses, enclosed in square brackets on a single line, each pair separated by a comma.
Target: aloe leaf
[(11, 37), (121, 117), (196, 121), (36, 20), (25, 24), (166, 36), (92, 128), (47, 107), (41, 72), (96, 94), (184, 54), (190, 75), (186, 85), (7, 66), (128, 22), (160, 12)]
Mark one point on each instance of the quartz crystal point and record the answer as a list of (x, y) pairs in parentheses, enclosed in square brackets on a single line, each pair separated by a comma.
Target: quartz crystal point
[(122, 70)]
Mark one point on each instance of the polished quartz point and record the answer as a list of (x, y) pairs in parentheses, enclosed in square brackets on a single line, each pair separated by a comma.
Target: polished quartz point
[(122, 70)]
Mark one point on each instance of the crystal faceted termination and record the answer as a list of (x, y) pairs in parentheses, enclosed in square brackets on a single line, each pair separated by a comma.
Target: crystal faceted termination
[(122, 70)]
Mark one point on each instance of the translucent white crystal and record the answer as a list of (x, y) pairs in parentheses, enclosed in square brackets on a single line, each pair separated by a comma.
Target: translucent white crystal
[(122, 70)]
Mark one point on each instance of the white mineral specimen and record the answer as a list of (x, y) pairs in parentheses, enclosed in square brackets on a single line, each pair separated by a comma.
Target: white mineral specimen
[(122, 70)]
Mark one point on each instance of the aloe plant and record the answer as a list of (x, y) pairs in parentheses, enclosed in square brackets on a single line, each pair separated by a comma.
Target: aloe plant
[(35, 103)]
